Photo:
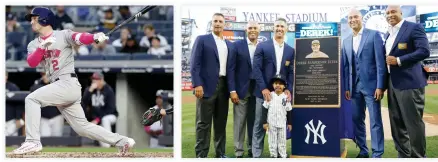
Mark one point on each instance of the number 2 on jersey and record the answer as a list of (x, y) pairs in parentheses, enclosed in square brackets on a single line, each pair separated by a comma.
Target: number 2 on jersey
[(55, 64)]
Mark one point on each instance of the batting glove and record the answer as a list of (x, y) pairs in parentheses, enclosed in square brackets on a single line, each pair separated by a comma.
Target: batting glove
[(47, 42), (100, 37)]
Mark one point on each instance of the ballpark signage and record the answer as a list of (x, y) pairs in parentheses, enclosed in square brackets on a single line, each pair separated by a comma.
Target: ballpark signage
[(430, 22), (317, 91), (229, 25), (315, 132), (432, 37), (290, 17), (229, 13), (306, 30), (374, 17)]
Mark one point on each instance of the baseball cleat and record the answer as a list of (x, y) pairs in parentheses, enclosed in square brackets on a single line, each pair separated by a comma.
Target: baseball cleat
[(28, 147), (125, 145)]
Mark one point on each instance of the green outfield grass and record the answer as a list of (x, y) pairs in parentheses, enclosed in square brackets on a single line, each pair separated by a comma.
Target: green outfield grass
[(431, 106), (188, 135), (91, 149)]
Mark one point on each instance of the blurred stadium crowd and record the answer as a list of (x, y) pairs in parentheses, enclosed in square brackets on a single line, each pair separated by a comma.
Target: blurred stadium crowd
[(431, 64), (148, 37)]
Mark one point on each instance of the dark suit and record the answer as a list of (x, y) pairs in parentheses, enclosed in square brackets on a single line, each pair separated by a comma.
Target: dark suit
[(265, 68), (240, 79), (406, 90), (204, 70), (364, 72)]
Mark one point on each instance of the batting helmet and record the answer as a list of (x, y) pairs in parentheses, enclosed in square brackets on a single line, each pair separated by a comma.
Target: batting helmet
[(46, 16)]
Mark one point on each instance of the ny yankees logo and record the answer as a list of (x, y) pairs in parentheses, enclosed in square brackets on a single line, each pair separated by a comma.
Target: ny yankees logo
[(283, 101), (97, 100), (312, 129)]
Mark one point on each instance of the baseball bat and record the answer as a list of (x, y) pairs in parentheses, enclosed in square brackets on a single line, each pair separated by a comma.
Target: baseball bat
[(140, 13)]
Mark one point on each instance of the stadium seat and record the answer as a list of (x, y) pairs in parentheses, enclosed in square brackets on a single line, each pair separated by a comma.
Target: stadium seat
[(133, 26), (138, 38), (8, 54), (170, 40), (168, 33), (168, 56), (169, 24), (16, 39), (140, 33), (118, 48), (144, 56), (15, 53), (21, 53), (117, 57), (30, 35), (90, 57), (115, 35)]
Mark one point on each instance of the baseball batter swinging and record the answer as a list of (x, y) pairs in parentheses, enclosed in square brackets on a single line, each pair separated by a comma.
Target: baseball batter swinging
[(53, 50)]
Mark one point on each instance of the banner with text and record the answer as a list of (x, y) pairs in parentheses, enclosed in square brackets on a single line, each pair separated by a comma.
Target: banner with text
[(307, 30), (290, 17), (430, 22), (241, 26)]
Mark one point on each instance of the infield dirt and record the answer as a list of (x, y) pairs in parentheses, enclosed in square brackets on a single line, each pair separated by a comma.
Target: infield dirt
[(93, 155)]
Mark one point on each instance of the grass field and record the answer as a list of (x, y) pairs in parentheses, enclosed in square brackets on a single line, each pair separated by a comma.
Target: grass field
[(431, 106), (188, 131)]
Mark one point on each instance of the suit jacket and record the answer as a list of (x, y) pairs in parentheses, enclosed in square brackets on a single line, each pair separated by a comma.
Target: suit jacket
[(265, 66), (205, 66), (371, 59), (411, 74), (240, 69)]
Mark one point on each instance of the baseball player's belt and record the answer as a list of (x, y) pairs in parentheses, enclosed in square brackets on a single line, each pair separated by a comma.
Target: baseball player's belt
[(73, 75)]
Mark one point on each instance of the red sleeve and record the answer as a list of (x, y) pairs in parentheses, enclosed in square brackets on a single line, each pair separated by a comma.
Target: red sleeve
[(35, 58), (148, 129), (97, 119), (83, 38)]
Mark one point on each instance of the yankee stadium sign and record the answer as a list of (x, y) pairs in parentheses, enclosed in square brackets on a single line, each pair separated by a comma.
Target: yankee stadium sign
[(290, 17)]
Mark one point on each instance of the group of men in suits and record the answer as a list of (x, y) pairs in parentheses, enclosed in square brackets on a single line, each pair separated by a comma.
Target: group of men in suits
[(241, 70), (372, 66)]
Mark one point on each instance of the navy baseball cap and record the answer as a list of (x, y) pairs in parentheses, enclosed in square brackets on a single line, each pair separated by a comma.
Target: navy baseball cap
[(279, 78), (11, 16), (97, 76)]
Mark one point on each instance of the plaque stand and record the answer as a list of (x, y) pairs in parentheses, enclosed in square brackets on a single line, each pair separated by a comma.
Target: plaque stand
[(317, 99)]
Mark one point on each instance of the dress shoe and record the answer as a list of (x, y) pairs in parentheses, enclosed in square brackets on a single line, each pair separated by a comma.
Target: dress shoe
[(363, 156), (221, 156)]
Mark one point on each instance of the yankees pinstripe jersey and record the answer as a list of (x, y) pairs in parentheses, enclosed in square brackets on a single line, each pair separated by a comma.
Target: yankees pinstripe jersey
[(277, 109)]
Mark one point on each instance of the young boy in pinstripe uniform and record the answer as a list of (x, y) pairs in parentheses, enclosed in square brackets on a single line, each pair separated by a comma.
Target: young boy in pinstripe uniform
[(278, 115)]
